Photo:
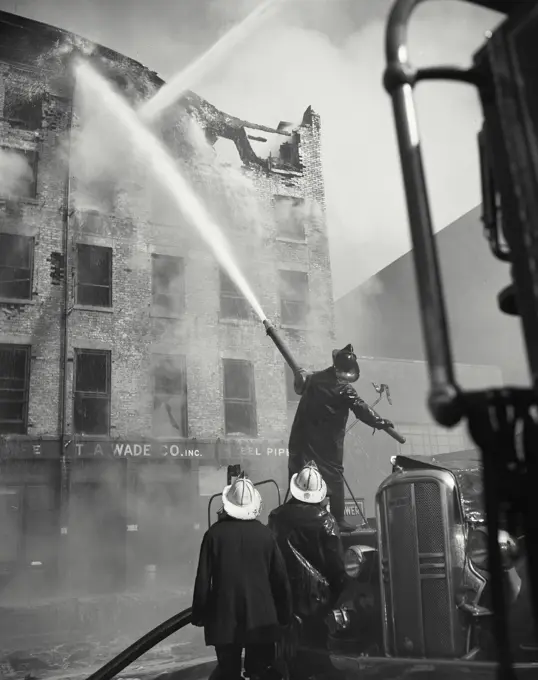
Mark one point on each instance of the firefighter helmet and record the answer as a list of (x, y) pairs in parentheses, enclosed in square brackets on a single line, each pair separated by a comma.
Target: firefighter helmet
[(308, 485), (345, 364), (242, 499)]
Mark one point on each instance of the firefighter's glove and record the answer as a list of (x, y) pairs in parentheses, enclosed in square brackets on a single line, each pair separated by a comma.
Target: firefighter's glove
[(384, 424), (198, 623)]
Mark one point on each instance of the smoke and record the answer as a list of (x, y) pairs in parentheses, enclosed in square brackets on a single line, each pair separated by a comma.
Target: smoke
[(306, 56), (328, 54), (15, 174)]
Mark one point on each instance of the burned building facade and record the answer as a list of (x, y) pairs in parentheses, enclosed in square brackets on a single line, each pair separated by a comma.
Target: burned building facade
[(132, 369)]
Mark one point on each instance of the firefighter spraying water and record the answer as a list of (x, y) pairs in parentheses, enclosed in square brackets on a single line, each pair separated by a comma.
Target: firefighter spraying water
[(432, 590), (319, 427)]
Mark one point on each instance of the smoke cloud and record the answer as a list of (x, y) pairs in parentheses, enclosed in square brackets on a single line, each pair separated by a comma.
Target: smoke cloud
[(293, 62), (15, 174), (328, 54)]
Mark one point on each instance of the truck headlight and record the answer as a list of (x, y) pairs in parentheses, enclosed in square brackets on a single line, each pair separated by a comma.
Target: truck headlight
[(478, 548), (354, 559)]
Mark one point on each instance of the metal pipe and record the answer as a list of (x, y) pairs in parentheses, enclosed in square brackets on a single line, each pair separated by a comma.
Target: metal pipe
[(64, 357), (399, 80), (281, 346)]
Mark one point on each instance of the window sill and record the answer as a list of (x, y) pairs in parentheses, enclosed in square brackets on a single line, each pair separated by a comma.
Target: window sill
[(92, 437), (89, 308), (27, 200), (16, 301), (230, 321), (233, 437), (294, 241), (157, 314), (293, 327)]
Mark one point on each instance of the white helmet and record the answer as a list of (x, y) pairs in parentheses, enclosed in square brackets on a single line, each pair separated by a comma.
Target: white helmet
[(242, 499), (308, 485)]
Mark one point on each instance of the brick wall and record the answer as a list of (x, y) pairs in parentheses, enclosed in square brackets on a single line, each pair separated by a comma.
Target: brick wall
[(37, 322), (128, 329)]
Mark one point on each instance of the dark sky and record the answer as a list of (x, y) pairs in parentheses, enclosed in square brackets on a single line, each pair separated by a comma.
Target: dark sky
[(328, 54)]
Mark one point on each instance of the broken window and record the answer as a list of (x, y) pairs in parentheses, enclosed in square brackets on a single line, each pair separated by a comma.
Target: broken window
[(22, 107), (16, 266), (92, 392), (57, 268), (94, 276), (170, 396), (239, 398), (20, 179), (294, 298), (14, 384), (103, 192), (290, 217), (291, 394), (168, 285), (233, 304)]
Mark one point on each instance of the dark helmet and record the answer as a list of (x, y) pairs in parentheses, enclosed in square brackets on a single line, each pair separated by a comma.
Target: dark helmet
[(345, 364)]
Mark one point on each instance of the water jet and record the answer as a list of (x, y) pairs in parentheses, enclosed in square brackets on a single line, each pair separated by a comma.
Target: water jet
[(171, 92), (170, 177)]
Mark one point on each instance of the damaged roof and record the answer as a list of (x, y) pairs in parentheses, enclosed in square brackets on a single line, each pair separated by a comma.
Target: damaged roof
[(38, 46), (221, 121)]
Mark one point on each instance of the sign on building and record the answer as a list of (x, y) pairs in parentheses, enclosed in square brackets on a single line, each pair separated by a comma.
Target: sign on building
[(354, 512)]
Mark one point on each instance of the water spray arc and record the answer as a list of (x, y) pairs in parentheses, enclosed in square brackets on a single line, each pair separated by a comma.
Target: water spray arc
[(170, 93), (166, 171)]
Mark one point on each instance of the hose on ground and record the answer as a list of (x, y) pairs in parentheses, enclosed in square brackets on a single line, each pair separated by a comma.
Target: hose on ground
[(141, 646)]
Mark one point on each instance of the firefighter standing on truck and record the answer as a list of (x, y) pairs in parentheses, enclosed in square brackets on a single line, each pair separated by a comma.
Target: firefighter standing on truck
[(319, 426)]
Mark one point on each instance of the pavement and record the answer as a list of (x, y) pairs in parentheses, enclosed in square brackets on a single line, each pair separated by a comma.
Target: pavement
[(70, 638), (75, 662)]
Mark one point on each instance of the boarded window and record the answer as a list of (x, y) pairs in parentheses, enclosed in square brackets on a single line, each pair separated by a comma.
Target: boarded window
[(169, 396), (290, 217), (94, 276), (239, 398), (168, 285), (14, 384), (21, 182), (92, 392), (16, 266), (233, 304), (294, 298)]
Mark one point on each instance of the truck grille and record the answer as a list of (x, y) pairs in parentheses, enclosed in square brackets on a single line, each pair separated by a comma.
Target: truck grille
[(416, 585)]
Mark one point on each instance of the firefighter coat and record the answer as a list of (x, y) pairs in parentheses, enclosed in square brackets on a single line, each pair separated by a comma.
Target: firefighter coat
[(319, 426), (311, 531), (241, 593)]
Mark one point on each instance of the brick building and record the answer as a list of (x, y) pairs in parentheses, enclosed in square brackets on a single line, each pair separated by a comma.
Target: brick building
[(132, 369)]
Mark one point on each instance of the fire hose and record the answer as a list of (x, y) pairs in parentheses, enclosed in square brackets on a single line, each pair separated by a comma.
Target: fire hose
[(141, 646), (179, 621)]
